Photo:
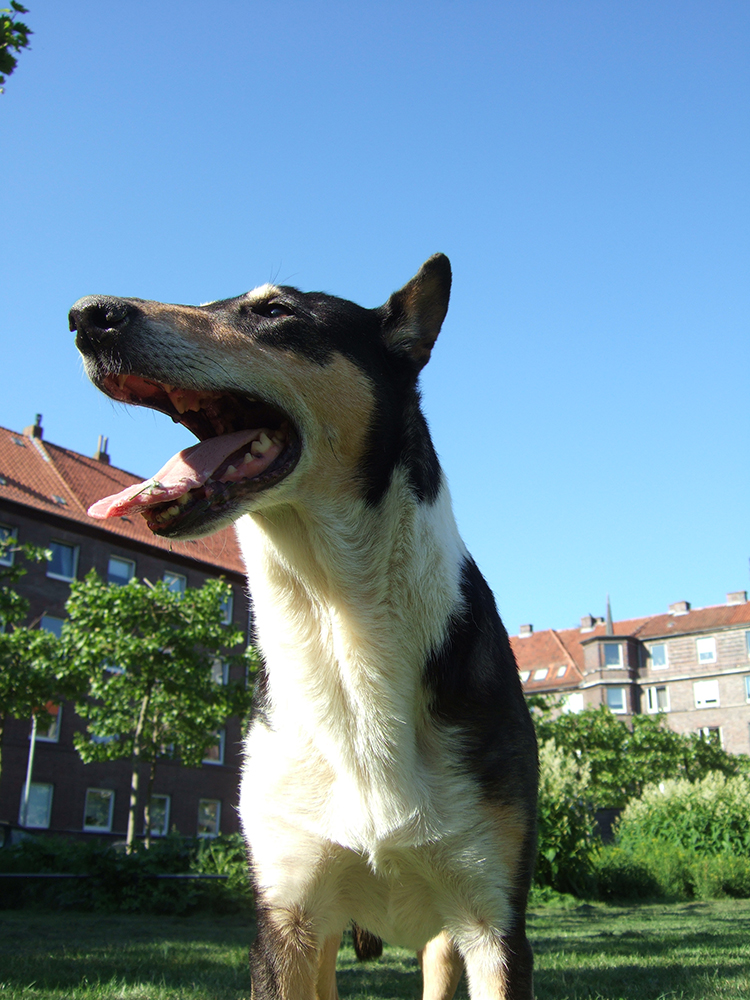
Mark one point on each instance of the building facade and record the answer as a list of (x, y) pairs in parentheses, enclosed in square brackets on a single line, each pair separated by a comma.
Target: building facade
[(690, 664), (45, 491)]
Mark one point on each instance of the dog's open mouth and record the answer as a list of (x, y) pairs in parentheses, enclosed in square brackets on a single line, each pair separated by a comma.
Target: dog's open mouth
[(245, 446)]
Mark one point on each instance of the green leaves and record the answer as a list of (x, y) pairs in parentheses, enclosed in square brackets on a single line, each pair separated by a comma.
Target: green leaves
[(141, 650), (14, 36)]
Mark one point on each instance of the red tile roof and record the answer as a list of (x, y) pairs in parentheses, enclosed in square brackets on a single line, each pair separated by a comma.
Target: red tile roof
[(59, 481), (552, 648)]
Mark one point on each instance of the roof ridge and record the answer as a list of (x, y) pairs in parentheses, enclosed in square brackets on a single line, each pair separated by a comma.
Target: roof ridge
[(564, 648), (58, 472)]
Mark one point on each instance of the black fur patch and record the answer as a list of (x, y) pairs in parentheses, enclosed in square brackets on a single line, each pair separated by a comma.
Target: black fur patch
[(475, 687)]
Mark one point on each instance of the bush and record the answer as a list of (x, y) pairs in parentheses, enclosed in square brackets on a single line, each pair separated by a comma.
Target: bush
[(124, 882), (566, 822), (710, 817), (652, 870)]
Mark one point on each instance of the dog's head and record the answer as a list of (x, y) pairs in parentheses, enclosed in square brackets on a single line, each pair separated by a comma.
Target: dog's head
[(291, 395)]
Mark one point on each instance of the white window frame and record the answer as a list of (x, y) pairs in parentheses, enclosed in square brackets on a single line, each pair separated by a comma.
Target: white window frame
[(658, 666), (705, 733), (562, 671), (617, 711), (59, 576), (706, 693), (221, 739), (35, 789), (705, 649), (572, 703), (52, 733), (652, 699), (112, 578), (6, 531), (747, 687), (524, 675), (164, 829), (612, 666), (220, 671), (209, 834), (89, 827), (541, 674), (176, 582), (747, 644)]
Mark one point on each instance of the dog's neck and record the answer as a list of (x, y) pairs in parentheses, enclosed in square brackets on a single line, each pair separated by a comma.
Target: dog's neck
[(349, 602)]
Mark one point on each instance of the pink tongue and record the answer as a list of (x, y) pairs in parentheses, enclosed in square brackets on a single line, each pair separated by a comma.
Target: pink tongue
[(187, 470)]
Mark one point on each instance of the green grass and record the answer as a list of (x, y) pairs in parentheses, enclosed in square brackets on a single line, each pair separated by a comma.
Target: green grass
[(688, 951)]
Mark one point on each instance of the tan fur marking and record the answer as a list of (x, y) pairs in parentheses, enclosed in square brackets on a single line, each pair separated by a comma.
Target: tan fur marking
[(442, 968), (512, 825), (326, 988)]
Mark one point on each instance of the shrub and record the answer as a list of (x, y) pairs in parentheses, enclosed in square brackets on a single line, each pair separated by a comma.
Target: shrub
[(711, 816), (125, 882), (566, 821)]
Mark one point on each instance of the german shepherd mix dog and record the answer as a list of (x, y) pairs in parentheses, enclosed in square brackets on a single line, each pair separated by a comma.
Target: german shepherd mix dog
[(390, 767)]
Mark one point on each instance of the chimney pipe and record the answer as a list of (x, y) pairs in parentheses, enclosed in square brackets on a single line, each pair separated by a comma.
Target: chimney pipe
[(101, 450), (35, 430)]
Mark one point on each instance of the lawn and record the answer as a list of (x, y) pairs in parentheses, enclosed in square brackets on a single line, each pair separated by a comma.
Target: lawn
[(688, 951)]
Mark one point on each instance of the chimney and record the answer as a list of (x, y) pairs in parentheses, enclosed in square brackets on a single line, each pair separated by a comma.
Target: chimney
[(587, 621), (525, 631), (36, 429), (101, 450), (679, 608), (737, 597)]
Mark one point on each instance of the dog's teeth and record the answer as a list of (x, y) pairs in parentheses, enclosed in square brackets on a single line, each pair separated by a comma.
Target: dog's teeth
[(232, 471), (261, 446), (248, 458), (183, 499)]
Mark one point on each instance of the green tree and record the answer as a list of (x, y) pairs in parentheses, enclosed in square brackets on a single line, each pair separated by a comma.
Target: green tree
[(149, 660), (32, 673), (623, 760), (14, 36)]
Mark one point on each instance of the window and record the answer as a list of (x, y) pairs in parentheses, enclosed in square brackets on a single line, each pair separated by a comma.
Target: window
[(209, 816), (711, 734), (51, 624), (64, 562), (612, 654), (97, 816), (657, 700), (747, 687), (562, 671), (159, 816), (48, 723), (38, 808), (616, 700), (524, 675), (658, 656), (747, 644), (215, 753), (176, 582), (220, 672), (706, 649), (573, 702), (7, 555), (120, 571), (227, 608), (706, 693), (540, 674)]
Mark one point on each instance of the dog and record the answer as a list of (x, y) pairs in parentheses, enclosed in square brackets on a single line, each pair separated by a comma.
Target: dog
[(390, 766)]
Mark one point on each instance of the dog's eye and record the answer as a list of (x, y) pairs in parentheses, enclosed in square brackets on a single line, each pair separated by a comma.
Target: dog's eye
[(272, 309)]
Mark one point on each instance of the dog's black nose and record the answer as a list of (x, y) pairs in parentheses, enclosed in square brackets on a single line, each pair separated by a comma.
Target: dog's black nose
[(97, 319)]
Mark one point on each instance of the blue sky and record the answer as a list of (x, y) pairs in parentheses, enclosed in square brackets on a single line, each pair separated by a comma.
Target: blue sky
[(583, 164)]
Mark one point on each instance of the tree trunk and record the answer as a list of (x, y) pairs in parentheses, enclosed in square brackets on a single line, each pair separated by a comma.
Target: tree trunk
[(134, 774), (147, 807)]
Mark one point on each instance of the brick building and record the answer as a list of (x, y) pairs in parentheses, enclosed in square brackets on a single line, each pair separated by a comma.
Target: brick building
[(45, 491), (692, 664)]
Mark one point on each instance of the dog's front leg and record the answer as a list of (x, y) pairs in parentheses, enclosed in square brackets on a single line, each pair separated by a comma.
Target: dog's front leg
[(441, 968), (327, 989), (286, 957)]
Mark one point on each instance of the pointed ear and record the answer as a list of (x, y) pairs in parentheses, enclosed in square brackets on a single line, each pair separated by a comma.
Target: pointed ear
[(412, 317)]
